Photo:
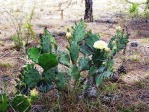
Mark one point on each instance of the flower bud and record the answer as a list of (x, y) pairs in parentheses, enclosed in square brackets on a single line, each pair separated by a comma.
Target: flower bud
[(68, 35), (107, 49), (118, 28), (34, 93)]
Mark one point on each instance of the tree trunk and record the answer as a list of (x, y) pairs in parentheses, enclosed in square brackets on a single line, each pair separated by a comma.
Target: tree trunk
[(88, 16)]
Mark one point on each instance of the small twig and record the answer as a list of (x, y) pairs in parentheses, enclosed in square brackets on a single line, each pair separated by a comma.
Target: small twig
[(20, 58), (37, 105), (5, 54)]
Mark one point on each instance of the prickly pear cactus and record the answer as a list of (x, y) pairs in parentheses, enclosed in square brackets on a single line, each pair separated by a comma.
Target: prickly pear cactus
[(21, 103), (98, 57), (22, 88), (45, 86), (74, 51), (84, 64), (52, 40), (4, 102), (32, 77), (118, 42), (61, 80), (46, 57), (46, 44), (64, 59), (99, 78), (34, 53), (50, 74), (87, 47), (74, 72), (47, 61), (79, 31)]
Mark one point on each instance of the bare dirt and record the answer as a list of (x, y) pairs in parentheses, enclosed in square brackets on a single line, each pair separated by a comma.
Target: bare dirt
[(133, 86)]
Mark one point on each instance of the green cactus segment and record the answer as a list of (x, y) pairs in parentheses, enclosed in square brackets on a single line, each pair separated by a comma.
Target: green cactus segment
[(102, 73), (61, 80), (21, 104), (84, 64), (34, 54), (25, 70), (31, 78), (79, 32), (93, 70), (98, 57), (107, 73), (118, 42), (47, 61), (23, 89), (91, 39), (87, 47), (122, 42), (74, 51), (52, 39), (64, 59), (100, 77), (46, 44), (74, 72), (4, 102), (50, 74), (44, 86)]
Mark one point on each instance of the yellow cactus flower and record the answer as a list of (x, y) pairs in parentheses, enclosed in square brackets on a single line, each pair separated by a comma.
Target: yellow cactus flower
[(68, 35), (34, 93), (100, 44), (118, 28), (107, 49)]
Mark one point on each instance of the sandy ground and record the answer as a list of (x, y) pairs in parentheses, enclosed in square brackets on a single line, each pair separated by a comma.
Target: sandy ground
[(107, 15)]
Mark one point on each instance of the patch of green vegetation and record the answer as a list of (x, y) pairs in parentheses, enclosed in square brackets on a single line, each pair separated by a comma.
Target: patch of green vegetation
[(110, 88), (47, 56), (5, 65)]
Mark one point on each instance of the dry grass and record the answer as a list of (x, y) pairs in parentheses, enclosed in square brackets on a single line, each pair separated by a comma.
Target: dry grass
[(131, 91)]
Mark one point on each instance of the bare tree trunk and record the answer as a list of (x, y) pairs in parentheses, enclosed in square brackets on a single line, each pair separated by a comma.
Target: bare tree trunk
[(88, 16)]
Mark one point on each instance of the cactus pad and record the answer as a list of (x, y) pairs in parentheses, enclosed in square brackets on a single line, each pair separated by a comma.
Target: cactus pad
[(79, 32), (46, 44), (61, 80), (31, 77), (21, 104), (47, 61), (74, 51), (34, 54), (4, 102), (44, 86), (87, 47), (74, 72), (50, 74), (64, 59), (84, 63)]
